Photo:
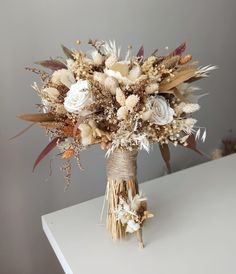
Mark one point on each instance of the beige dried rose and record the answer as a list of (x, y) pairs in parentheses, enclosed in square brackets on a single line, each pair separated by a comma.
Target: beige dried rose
[(162, 113), (78, 97)]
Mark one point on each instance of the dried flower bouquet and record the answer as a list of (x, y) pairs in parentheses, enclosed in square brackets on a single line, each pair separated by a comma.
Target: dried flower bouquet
[(125, 105)]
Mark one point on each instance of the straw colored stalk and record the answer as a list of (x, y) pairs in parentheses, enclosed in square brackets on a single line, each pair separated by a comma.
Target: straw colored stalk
[(121, 174)]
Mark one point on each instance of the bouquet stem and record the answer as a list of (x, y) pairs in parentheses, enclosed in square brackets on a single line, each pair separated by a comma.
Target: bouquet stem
[(121, 184)]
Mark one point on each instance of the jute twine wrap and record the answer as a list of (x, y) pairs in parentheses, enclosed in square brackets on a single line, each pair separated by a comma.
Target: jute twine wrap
[(122, 165)]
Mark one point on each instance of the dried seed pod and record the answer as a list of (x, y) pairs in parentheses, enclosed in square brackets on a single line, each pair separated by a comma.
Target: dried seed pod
[(185, 59), (120, 97), (111, 84)]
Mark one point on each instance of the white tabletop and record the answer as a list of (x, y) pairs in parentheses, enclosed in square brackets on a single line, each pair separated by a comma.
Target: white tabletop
[(193, 231)]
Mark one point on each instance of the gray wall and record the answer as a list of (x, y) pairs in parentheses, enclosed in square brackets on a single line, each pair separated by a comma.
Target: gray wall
[(33, 30)]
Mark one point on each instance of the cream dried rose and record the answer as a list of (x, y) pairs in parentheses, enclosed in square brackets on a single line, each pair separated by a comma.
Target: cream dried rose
[(78, 97), (161, 112)]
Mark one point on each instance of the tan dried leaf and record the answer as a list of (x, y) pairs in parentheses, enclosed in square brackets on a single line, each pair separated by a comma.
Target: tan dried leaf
[(179, 78)]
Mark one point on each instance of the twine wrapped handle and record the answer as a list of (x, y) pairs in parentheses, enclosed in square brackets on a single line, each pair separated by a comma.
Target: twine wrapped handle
[(122, 165)]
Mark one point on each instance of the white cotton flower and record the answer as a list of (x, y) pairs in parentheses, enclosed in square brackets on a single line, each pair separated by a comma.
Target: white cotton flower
[(97, 57), (162, 113), (63, 76), (51, 93), (132, 226), (190, 108), (78, 97)]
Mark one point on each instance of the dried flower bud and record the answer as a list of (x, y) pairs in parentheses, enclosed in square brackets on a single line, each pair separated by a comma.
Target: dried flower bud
[(120, 97), (152, 88), (146, 115), (122, 113), (189, 108), (134, 73), (63, 76), (131, 101), (51, 93), (111, 60), (100, 77), (185, 59), (86, 134), (97, 57), (111, 84)]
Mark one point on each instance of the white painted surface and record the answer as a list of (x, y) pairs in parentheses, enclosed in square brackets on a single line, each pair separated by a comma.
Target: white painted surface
[(193, 231)]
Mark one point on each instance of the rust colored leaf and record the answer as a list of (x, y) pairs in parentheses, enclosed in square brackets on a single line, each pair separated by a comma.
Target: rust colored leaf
[(140, 53), (165, 153), (179, 50), (67, 52), (46, 150), (52, 64), (37, 117)]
